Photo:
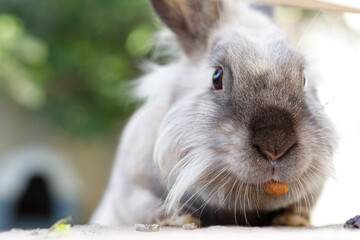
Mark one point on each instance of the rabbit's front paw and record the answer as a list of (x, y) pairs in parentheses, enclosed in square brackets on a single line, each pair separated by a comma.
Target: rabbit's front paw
[(353, 222), (292, 216), (182, 220)]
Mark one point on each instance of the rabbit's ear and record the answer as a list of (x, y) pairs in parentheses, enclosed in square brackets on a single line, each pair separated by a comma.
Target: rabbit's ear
[(191, 20)]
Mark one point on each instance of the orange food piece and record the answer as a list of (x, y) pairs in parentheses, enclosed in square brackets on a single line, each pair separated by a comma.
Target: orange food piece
[(276, 188)]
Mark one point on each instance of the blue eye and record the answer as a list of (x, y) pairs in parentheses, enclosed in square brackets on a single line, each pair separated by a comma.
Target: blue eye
[(304, 80), (217, 78)]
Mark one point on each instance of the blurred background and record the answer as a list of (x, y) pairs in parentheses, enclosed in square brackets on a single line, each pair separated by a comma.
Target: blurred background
[(65, 67), (63, 102)]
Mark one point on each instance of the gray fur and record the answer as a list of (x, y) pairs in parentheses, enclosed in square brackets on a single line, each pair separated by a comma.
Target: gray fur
[(191, 147)]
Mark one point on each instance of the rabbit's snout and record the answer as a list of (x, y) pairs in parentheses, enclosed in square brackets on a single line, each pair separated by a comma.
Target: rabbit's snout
[(273, 134)]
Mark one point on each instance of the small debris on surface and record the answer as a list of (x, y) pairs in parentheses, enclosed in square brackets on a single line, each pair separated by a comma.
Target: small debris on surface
[(35, 232), (190, 226), (147, 227), (60, 228), (353, 222)]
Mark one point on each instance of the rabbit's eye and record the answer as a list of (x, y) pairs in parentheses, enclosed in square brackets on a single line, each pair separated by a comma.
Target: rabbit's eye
[(304, 80), (217, 78)]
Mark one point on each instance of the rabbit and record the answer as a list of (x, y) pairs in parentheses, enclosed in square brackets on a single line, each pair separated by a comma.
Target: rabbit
[(238, 109)]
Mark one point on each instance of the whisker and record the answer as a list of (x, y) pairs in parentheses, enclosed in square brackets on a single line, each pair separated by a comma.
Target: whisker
[(213, 192), (227, 195), (307, 29), (246, 201), (199, 192)]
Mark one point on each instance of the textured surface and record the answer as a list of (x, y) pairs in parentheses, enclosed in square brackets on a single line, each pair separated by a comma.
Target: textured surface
[(215, 232)]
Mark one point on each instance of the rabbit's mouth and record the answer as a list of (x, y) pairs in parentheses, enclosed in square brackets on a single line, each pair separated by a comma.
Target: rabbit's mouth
[(275, 173)]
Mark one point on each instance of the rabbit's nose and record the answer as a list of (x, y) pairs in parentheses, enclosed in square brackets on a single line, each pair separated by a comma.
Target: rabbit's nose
[(272, 133), (274, 155)]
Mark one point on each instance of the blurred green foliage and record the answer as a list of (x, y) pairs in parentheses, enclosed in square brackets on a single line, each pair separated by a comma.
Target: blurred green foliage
[(70, 60)]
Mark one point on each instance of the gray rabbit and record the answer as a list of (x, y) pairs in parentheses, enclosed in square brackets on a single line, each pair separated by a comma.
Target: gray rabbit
[(237, 110)]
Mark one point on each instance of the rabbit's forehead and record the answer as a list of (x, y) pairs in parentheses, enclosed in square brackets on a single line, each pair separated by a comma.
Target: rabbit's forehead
[(246, 57)]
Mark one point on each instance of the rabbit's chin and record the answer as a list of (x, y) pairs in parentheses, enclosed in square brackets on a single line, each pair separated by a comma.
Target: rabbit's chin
[(309, 182), (246, 197)]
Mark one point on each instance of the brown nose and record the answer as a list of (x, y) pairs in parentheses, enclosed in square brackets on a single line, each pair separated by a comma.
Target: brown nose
[(273, 134), (274, 155)]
